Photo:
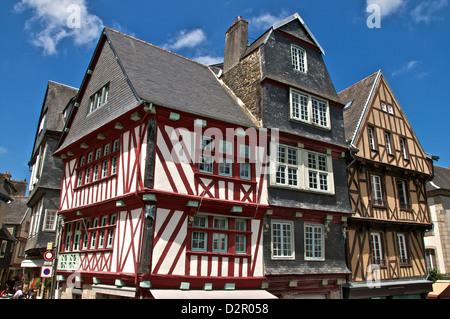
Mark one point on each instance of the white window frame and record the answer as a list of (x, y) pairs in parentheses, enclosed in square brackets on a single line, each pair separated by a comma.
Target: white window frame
[(219, 238), (99, 98), (48, 224), (403, 147), (402, 249), (402, 189), (371, 134), (377, 189), (306, 108), (314, 244), (294, 165), (298, 58), (3, 247), (388, 140), (377, 249), (282, 238)]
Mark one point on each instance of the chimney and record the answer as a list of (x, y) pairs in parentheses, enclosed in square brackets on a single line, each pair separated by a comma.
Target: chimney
[(236, 39)]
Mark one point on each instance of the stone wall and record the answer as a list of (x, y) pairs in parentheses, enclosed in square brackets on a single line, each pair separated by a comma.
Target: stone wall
[(244, 80)]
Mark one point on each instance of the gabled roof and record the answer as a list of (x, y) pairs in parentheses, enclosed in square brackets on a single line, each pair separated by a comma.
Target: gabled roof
[(168, 79), (16, 210), (57, 96), (293, 17), (263, 38), (357, 98), (163, 78)]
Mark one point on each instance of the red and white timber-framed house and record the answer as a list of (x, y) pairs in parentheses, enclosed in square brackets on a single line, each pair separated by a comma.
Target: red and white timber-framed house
[(162, 192)]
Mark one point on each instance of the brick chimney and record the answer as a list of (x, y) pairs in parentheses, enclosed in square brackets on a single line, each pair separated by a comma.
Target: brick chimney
[(236, 39)]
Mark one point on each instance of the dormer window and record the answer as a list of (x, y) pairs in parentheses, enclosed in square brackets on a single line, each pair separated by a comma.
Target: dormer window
[(298, 58), (99, 98)]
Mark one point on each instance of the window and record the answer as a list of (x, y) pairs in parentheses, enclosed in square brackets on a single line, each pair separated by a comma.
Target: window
[(402, 250), (282, 240), (390, 109), (50, 220), (226, 158), (199, 238), (404, 148), (3, 248), (68, 240), (298, 58), (309, 109), (287, 166), (431, 259), (387, 137), (402, 194), (206, 157), (377, 251), (377, 192), (77, 236), (218, 235), (91, 233), (240, 241), (98, 164), (383, 106), (317, 171), (244, 153), (371, 134), (314, 248), (99, 98), (219, 240), (302, 169)]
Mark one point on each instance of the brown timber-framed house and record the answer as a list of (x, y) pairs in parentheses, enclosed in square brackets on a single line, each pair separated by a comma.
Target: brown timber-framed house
[(387, 174)]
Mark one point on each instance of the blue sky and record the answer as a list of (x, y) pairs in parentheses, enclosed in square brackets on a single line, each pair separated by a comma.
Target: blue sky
[(411, 47)]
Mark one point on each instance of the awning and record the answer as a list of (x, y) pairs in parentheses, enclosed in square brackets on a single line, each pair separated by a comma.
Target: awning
[(210, 294), (32, 263), (440, 289), (115, 290)]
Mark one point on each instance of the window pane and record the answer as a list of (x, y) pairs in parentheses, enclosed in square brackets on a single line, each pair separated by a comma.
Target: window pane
[(282, 239)]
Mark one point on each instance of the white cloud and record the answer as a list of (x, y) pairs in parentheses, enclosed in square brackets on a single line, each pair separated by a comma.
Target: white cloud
[(407, 67), (55, 20), (3, 150), (186, 39), (266, 20), (387, 7), (426, 11), (208, 59)]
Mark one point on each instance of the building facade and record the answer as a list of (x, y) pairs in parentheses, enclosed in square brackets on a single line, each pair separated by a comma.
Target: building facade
[(387, 175), (283, 81), (162, 195), (45, 179), (437, 242)]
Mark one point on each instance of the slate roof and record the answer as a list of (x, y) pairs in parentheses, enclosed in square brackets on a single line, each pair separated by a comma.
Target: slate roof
[(56, 99), (16, 210), (356, 96), (167, 79), (441, 180)]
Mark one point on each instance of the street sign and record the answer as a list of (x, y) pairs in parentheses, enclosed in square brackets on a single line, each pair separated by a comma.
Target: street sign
[(48, 255), (46, 271)]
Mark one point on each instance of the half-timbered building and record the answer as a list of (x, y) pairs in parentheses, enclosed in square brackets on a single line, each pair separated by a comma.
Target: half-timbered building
[(387, 174), (283, 81), (163, 194)]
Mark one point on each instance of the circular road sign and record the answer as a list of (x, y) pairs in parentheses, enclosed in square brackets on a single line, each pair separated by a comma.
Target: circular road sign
[(48, 255)]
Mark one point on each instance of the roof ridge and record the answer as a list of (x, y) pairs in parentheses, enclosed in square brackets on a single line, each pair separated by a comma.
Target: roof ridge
[(155, 46), (359, 81)]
